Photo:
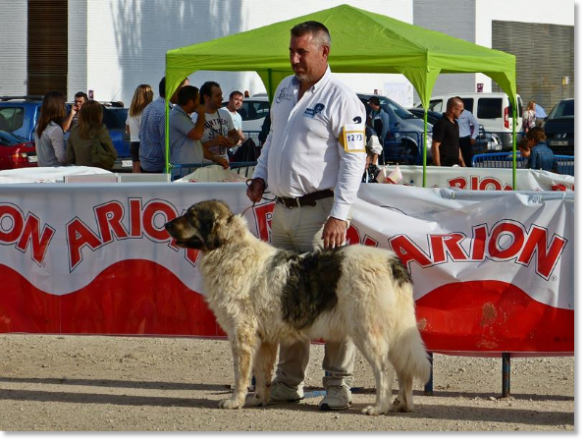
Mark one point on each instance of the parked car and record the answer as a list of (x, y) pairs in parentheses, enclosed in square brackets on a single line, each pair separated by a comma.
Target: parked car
[(559, 128), (19, 115), (492, 109), (405, 138), (15, 152), (253, 111)]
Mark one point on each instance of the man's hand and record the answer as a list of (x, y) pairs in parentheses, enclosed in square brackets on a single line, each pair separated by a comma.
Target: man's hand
[(334, 233), (222, 162), (222, 141), (255, 190)]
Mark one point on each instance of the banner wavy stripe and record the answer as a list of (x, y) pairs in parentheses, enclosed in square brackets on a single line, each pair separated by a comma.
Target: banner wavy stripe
[(139, 297)]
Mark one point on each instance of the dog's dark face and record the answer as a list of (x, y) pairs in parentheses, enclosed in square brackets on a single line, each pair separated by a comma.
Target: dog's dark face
[(201, 226)]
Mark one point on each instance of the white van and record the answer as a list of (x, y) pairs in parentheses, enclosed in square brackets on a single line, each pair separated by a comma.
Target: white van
[(492, 109)]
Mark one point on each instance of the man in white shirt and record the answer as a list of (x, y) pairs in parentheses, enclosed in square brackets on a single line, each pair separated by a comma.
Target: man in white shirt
[(468, 132), (235, 103), (313, 161), (219, 133)]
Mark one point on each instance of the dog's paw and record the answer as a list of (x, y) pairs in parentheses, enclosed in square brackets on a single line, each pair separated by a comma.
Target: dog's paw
[(254, 400), (400, 407), (373, 410), (229, 404)]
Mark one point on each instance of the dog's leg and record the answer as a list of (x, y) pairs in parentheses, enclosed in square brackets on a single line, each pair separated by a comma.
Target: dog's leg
[(376, 353), (263, 366), (244, 343), (403, 401)]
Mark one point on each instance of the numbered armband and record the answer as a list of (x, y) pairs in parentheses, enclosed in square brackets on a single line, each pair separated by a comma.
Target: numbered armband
[(353, 138)]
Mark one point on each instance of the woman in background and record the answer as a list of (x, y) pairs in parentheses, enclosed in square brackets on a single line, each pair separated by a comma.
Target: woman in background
[(142, 97), (529, 116), (49, 133), (85, 132)]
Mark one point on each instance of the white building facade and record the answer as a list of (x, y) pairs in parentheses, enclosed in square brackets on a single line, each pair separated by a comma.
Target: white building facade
[(112, 46)]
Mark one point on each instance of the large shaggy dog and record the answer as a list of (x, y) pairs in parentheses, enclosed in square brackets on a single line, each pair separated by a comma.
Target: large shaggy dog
[(262, 295)]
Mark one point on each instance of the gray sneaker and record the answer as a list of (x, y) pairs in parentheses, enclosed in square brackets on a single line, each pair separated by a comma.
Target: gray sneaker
[(338, 398), (281, 393)]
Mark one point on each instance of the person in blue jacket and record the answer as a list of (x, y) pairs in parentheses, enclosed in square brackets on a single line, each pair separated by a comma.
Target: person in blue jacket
[(533, 146)]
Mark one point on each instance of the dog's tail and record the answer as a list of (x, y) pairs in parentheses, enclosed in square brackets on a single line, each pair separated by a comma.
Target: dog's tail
[(410, 356)]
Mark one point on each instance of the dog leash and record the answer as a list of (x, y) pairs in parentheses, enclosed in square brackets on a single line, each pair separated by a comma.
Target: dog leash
[(248, 181)]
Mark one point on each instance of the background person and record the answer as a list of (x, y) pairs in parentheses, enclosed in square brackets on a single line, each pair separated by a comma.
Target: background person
[(540, 156), (315, 177), (184, 134), (78, 101), (380, 120), (234, 104), (219, 133), (540, 114), (152, 131), (84, 134), (445, 147), (49, 133), (143, 96), (529, 116), (468, 132)]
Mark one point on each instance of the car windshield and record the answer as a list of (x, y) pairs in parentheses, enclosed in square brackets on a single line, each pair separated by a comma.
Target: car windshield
[(398, 110), (115, 118), (565, 109)]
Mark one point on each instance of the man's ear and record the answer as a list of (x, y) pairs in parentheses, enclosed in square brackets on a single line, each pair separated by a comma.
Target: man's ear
[(326, 50)]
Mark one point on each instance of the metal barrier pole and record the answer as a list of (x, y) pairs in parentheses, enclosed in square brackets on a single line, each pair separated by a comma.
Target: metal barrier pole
[(505, 375), (429, 384)]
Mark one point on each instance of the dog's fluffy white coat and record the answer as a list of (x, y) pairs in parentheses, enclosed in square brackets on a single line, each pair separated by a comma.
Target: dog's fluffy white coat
[(245, 285)]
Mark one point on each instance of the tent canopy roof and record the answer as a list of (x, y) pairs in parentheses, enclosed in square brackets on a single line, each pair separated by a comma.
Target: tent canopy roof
[(361, 42)]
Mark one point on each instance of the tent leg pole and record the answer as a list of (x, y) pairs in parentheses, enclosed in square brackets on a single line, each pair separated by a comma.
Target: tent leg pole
[(506, 375)]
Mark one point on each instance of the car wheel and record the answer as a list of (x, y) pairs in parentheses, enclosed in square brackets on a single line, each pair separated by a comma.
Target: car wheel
[(410, 152)]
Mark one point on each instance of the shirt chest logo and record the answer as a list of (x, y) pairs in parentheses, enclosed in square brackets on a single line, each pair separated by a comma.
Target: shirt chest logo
[(318, 109), (283, 95)]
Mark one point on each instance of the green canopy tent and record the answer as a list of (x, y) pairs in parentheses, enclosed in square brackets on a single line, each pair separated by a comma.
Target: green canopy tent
[(361, 42)]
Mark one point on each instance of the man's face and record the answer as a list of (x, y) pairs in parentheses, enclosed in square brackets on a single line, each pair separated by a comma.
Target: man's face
[(307, 60), (457, 109), (216, 97), (236, 102), (79, 102), (374, 107)]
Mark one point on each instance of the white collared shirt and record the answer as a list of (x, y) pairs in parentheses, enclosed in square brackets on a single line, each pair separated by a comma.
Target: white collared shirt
[(466, 122), (303, 154)]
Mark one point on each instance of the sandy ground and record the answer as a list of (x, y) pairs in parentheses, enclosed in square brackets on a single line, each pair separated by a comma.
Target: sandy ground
[(91, 383)]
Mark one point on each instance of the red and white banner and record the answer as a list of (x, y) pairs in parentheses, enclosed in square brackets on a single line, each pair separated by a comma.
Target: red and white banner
[(493, 271), (480, 178)]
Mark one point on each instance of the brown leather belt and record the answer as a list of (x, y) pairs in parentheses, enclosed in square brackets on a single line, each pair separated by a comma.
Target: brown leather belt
[(307, 200)]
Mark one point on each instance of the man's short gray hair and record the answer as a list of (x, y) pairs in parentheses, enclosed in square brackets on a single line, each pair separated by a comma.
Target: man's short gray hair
[(319, 31)]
